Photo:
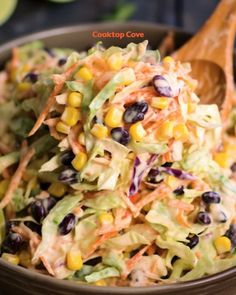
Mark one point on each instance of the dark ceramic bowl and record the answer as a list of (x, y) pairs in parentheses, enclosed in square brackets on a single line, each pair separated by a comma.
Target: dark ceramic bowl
[(19, 281)]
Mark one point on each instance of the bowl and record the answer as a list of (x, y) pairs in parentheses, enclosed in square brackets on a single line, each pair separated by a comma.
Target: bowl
[(19, 281)]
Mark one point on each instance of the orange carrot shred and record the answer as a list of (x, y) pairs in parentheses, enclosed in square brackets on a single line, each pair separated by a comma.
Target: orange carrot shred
[(15, 181), (59, 83)]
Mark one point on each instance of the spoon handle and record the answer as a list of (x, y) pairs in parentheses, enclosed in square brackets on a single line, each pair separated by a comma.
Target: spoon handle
[(215, 40)]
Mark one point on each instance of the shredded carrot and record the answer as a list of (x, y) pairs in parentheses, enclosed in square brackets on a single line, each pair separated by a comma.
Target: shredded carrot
[(158, 194), (130, 264), (128, 203), (181, 205), (72, 138), (181, 219), (47, 265), (15, 58), (134, 198), (198, 254), (99, 241), (59, 83), (26, 156)]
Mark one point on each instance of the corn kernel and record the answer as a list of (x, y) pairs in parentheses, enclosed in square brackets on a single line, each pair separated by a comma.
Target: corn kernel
[(81, 138), (115, 61), (13, 259), (137, 131), (3, 186), (23, 86), (222, 159), (84, 73), (113, 117), (57, 189), (74, 260), (172, 181), (192, 107), (160, 102), (62, 128), (180, 132), (74, 99), (222, 245), (168, 59), (70, 116), (25, 258), (105, 218), (100, 131), (79, 161), (101, 283), (165, 131)]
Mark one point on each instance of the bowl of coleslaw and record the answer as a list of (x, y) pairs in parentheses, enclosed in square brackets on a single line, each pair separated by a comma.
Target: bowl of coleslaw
[(115, 179)]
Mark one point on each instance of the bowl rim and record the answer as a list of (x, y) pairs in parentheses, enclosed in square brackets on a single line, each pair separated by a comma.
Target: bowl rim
[(72, 285)]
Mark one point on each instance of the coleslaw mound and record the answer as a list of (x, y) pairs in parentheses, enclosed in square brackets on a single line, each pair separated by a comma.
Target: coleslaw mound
[(112, 171)]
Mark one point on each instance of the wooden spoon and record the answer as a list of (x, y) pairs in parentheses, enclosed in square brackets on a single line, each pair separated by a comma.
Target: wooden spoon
[(210, 53)]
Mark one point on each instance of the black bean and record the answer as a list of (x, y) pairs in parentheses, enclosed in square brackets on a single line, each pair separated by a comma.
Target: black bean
[(203, 218), (68, 176), (35, 227), (31, 77), (233, 167), (154, 176), (61, 62), (231, 234), (193, 241), (179, 191), (40, 208), (211, 197), (12, 243), (10, 224), (67, 157), (67, 224), (38, 211), (135, 112), (44, 185), (167, 164), (162, 86), (120, 135)]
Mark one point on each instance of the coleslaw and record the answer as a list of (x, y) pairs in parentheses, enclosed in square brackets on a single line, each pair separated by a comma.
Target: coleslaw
[(112, 171)]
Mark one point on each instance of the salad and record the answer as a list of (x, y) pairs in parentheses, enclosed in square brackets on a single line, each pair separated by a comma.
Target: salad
[(112, 171)]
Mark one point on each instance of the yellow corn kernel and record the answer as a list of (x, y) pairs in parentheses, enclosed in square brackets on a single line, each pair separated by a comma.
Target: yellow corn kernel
[(74, 99), (168, 59), (74, 260), (79, 161), (3, 186), (100, 131), (172, 181), (222, 245), (13, 259), (113, 117), (115, 61), (84, 73), (57, 189), (131, 156), (137, 131), (180, 132), (23, 86), (192, 107), (101, 283), (81, 138), (160, 102), (70, 116), (105, 218), (165, 131), (222, 159), (25, 258), (62, 128)]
